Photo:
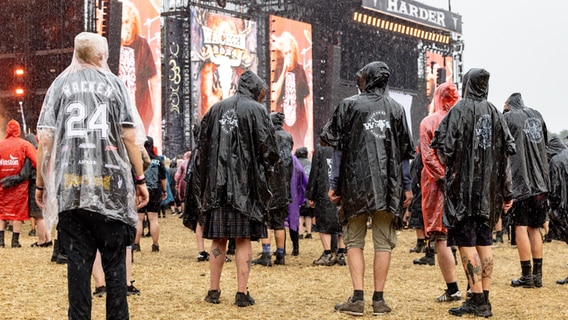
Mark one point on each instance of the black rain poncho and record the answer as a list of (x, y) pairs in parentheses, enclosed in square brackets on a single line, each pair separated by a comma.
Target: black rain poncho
[(325, 211), (371, 131), (237, 147), (473, 142), (558, 195), (529, 166), (279, 180)]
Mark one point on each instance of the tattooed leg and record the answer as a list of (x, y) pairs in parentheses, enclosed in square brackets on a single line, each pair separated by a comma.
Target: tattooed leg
[(216, 262)]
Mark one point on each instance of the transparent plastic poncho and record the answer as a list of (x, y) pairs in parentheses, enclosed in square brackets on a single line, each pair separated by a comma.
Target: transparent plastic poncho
[(85, 163)]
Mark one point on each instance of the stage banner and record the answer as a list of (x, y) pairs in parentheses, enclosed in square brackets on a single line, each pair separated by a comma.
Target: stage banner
[(291, 77), (222, 48), (174, 113), (417, 12), (140, 62)]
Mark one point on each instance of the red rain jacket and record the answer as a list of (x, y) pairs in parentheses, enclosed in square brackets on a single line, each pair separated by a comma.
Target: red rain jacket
[(445, 97), (13, 152)]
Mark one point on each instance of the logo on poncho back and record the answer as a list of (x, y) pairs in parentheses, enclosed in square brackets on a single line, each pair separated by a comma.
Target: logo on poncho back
[(533, 130), (483, 131), (376, 124), (229, 121)]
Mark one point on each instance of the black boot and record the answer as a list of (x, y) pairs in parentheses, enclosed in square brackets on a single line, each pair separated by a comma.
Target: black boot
[(420, 246), (526, 280), (428, 259), (498, 237), (537, 272), (16, 240), (264, 260), (295, 237), (2, 245), (279, 259), (59, 256)]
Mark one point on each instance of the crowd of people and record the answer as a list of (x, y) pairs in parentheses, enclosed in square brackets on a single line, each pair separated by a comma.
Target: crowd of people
[(97, 177)]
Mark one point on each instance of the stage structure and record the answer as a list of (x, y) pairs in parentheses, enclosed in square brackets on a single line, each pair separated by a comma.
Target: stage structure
[(200, 47)]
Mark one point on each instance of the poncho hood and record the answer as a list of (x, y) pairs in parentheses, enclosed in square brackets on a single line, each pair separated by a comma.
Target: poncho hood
[(13, 129), (476, 84), (251, 85), (445, 96), (373, 77)]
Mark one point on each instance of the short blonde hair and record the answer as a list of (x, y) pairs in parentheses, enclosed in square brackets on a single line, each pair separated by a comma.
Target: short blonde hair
[(91, 48)]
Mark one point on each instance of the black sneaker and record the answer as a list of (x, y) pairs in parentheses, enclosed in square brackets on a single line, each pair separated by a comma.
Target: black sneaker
[(32, 233), (136, 247), (213, 296), (244, 300), (425, 260), (131, 289), (264, 260), (203, 256), (447, 297), (523, 281), (16, 244), (155, 248), (99, 291), (308, 236)]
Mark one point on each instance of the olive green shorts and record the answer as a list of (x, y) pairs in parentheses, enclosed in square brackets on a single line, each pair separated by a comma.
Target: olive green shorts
[(384, 233)]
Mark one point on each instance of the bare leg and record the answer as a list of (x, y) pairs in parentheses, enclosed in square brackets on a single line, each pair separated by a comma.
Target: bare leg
[(486, 256), (326, 241), (446, 261), (523, 243), (199, 238), (243, 260), (356, 267), (471, 263), (98, 273), (216, 262), (154, 227), (42, 233), (381, 266)]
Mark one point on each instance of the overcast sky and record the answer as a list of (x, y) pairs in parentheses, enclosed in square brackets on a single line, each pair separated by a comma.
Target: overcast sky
[(524, 46)]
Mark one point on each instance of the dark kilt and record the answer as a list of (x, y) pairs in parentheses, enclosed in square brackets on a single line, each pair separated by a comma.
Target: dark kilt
[(226, 222)]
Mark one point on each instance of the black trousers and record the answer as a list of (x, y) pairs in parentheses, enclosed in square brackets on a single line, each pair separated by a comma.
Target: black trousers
[(81, 233)]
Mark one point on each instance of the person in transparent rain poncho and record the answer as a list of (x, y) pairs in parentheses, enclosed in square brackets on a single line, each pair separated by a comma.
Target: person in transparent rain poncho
[(90, 169)]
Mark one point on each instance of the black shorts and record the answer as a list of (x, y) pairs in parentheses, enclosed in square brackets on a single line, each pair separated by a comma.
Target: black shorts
[(275, 218), (530, 212), (154, 202), (470, 232), (306, 211)]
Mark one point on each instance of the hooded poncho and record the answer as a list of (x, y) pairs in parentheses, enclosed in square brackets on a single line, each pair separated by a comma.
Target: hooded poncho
[(558, 195), (529, 166), (13, 153), (445, 97), (237, 146), (473, 143), (371, 131)]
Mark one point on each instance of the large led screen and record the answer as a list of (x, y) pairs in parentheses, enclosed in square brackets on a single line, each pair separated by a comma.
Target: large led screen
[(434, 62), (291, 77), (222, 48)]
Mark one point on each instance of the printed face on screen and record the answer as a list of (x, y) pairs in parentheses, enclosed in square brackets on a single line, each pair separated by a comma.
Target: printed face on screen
[(291, 77)]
